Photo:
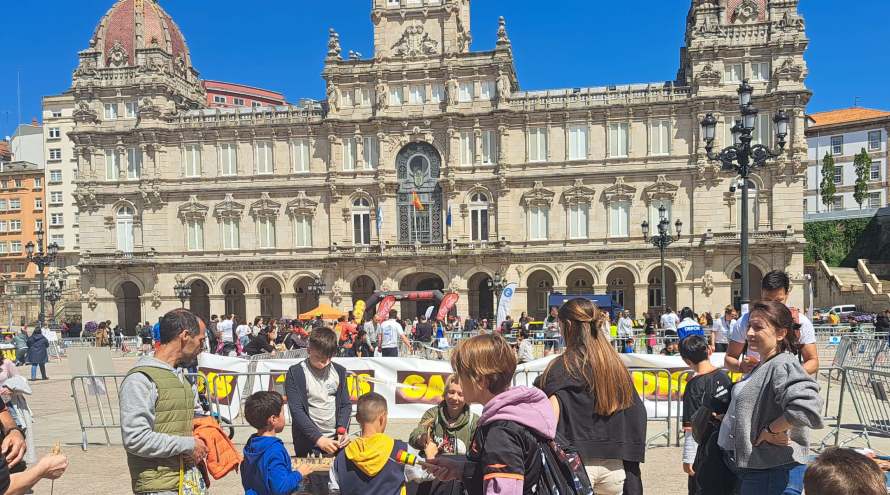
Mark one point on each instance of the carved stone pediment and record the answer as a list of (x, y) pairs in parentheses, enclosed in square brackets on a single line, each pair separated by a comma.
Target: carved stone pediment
[(747, 11), (118, 56), (265, 207), (790, 71), (708, 76), (83, 113), (414, 43), (790, 22), (619, 191), (193, 209), (661, 189), (301, 205), (578, 193), (538, 195), (228, 208)]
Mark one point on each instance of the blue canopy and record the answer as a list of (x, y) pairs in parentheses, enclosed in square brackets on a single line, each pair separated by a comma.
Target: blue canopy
[(603, 302)]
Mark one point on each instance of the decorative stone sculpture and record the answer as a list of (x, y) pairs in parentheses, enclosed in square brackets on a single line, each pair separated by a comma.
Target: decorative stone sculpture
[(334, 49), (414, 43)]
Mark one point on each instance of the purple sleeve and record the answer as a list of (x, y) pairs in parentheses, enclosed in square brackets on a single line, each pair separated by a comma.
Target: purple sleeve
[(503, 486)]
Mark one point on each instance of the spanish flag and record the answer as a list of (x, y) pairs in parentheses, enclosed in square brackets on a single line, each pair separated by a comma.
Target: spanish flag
[(415, 200)]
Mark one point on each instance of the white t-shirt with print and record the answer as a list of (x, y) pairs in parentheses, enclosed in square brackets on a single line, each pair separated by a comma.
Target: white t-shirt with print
[(807, 332)]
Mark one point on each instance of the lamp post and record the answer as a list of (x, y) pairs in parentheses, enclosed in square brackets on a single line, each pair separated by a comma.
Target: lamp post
[(662, 240), (53, 294), (497, 284), (42, 260), (183, 291), (316, 287), (742, 157)]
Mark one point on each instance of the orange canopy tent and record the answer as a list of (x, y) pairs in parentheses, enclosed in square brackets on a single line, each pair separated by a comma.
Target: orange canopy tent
[(326, 311)]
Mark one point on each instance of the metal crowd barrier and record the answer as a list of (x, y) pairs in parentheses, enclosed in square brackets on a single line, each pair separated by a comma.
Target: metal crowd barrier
[(870, 391), (833, 378), (288, 354), (658, 388)]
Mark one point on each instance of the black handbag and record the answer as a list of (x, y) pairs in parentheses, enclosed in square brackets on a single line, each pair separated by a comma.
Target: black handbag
[(702, 421)]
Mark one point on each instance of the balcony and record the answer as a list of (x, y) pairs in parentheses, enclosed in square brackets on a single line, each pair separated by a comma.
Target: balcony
[(418, 249)]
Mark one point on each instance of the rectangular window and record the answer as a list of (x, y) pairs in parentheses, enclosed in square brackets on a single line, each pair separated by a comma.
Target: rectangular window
[(437, 93), (15, 204), (110, 111), (395, 95), (255, 104), (874, 200), (371, 152), (300, 150), (15, 247), (192, 160), (467, 148), (660, 137), (363, 96), (38, 182), (348, 100), (38, 203), (578, 221), (733, 73), (762, 133), (18, 183), (487, 90), (416, 94), (15, 225), (838, 174), (219, 99), (238, 102), (112, 164), (4, 247), (875, 172), (231, 238), (55, 176), (655, 215), (54, 133), (874, 140), (837, 145), (58, 240), (537, 144), (489, 147), (264, 164), (134, 163), (350, 151), (3, 204), (537, 223), (55, 197), (228, 159), (837, 203), (303, 231), (55, 153), (618, 140), (619, 218), (132, 109), (266, 232), (56, 113), (479, 220), (361, 228), (578, 142), (56, 219), (3, 225), (38, 225), (760, 71), (76, 217), (465, 91)]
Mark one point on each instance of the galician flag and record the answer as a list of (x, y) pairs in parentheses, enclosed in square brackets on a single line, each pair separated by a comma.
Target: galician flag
[(415, 200)]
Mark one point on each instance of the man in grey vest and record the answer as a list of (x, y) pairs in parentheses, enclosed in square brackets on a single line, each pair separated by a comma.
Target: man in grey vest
[(157, 405)]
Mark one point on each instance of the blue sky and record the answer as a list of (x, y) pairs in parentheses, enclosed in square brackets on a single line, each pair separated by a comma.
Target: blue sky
[(280, 44)]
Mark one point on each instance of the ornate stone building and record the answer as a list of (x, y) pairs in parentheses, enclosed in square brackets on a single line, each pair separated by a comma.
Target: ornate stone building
[(426, 167)]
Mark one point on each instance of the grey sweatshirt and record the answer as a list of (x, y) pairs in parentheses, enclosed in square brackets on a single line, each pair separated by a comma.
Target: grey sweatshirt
[(778, 387), (138, 396)]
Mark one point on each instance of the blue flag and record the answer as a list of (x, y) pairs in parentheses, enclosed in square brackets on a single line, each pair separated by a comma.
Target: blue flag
[(448, 217), (379, 219)]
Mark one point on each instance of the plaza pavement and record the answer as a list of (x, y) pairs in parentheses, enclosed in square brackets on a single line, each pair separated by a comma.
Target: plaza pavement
[(103, 470)]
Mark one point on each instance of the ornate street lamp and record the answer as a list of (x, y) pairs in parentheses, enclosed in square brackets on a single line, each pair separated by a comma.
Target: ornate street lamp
[(742, 157), (183, 291), (42, 260), (662, 240), (53, 294), (497, 284), (316, 287)]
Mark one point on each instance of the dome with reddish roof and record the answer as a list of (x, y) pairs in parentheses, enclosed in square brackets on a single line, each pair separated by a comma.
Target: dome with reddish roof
[(134, 25)]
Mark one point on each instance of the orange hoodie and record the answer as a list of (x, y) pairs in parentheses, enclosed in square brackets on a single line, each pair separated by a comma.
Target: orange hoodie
[(222, 457)]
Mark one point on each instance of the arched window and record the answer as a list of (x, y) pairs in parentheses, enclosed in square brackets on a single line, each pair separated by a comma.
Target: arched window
[(124, 229), (479, 217), (361, 222)]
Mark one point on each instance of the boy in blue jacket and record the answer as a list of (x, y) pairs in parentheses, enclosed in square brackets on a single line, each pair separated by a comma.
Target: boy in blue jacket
[(266, 469)]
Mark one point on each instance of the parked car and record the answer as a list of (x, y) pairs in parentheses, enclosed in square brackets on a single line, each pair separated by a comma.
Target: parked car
[(842, 310)]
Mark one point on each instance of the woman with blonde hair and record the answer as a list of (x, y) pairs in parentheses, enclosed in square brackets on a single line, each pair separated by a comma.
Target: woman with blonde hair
[(593, 397)]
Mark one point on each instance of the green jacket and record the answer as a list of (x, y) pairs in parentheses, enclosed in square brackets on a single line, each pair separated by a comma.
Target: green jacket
[(454, 436)]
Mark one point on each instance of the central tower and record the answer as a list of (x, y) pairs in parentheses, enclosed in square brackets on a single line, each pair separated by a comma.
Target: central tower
[(409, 28)]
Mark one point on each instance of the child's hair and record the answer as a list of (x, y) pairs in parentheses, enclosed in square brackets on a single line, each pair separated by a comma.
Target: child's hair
[(261, 406), (843, 472), (486, 356), (323, 340), (369, 407), (694, 349)]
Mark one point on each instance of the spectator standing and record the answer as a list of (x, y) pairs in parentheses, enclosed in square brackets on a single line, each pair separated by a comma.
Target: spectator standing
[(625, 330), (720, 331), (20, 340), (882, 322), (765, 433), (212, 334), (37, 354), (424, 331), (157, 405), (669, 321), (390, 334), (551, 331), (592, 395), (524, 320), (242, 333), (688, 325), (649, 330), (226, 335)]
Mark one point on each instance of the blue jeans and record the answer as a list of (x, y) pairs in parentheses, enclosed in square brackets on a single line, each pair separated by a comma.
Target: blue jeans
[(782, 480), (42, 371)]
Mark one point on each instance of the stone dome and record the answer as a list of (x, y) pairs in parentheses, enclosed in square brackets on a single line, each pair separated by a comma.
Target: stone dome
[(132, 25)]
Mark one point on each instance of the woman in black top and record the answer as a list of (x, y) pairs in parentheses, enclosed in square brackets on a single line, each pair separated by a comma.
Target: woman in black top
[(262, 343), (593, 396)]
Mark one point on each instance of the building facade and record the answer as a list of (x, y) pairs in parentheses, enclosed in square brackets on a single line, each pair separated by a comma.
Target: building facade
[(843, 134), (428, 167), (232, 95)]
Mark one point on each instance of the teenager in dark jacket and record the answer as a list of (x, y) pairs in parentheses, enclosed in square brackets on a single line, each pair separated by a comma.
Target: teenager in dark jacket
[(319, 400), (593, 396), (37, 353)]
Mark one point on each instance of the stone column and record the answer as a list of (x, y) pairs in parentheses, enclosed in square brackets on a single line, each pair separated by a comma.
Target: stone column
[(641, 299), (251, 306), (288, 302), (217, 305)]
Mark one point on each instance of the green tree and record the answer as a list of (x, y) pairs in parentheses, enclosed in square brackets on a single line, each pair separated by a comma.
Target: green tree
[(826, 187), (862, 164)]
